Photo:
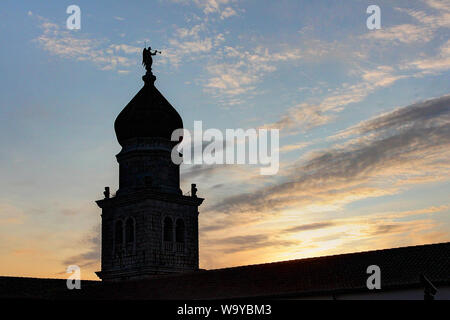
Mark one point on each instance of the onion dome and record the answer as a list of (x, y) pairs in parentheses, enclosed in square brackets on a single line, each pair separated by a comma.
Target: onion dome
[(147, 115)]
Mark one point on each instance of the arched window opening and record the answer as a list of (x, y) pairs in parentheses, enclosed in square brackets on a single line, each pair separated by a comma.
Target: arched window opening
[(129, 230), (119, 232), (168, 229), (179, 233)]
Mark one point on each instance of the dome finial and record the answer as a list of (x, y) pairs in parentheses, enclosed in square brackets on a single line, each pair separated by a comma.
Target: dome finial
[(147, 62)]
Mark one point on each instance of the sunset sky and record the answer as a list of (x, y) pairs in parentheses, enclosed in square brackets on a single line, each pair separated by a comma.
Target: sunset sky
[(364, 119)]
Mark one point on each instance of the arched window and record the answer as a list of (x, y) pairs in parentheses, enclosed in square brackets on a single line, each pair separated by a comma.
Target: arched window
[(119, 232), (168, 229), (179, 231), (129, 230)]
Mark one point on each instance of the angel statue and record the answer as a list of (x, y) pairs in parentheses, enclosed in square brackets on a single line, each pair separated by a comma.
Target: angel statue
[(147, 60)]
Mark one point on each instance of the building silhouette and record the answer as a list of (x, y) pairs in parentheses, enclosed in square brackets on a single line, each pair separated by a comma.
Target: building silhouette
[(149, 227)]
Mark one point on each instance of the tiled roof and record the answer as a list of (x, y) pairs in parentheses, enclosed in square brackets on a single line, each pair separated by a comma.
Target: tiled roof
[(33, 288), (400, 268)]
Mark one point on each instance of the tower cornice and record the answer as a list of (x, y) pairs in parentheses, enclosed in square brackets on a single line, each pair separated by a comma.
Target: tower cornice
[(131, 198)]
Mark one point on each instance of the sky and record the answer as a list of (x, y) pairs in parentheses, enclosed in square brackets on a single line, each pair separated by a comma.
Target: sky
[(364, 120)]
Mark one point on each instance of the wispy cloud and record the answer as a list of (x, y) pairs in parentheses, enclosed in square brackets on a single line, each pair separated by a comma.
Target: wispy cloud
[(92, 255), (188, 44), (241, 70), (432, 65), (338, 235), (405, 33), (221, 7), (250, 242), (400, 147), (69, 44), (422, 32), (429, 113), (307, 115), (295, 146), (227, 12), (308, 227)]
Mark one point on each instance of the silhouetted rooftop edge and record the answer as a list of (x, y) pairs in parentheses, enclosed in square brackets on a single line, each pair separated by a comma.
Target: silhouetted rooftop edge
[(400, 267)]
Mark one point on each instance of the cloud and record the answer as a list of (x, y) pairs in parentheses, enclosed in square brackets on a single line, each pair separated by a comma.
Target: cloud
[(90, 257), (437, 64), (200, 170), (404, 147), (311, 226), (305, 116), (66, 44), (424, 114), (126, 48), (192, 47), (440, 18), (310, 114), (227, 12), (190, 44), (301, 117), (191, 32), (250, 242), (406, 33), (376, 232), (424, 31), (295, 146), (198, 41), (240, 70), (219, 7), (373, 230)]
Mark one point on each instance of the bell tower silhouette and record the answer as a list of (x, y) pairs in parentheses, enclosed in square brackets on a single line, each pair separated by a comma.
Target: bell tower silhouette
[(149, 227)]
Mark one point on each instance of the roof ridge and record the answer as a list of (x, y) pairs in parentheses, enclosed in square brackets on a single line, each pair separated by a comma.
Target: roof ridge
[(331, 256)]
